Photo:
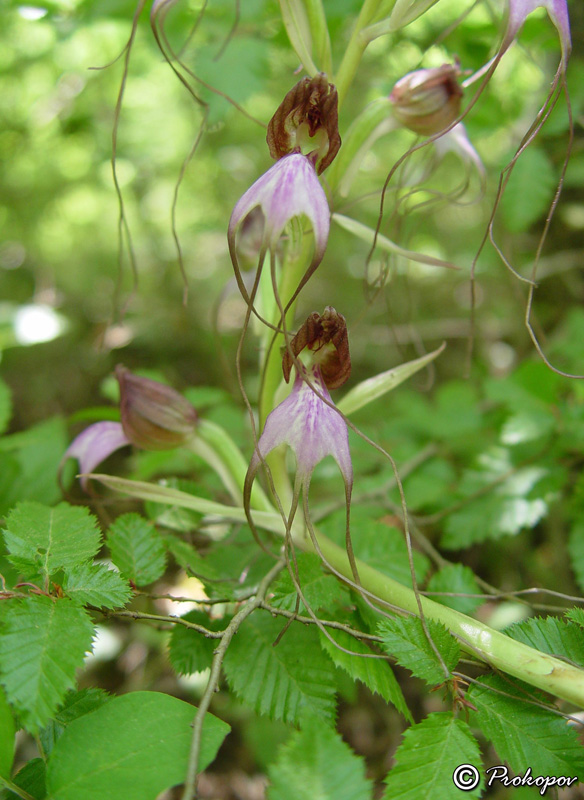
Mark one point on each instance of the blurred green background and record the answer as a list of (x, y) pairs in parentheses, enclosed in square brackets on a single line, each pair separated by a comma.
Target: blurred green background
[(59, 81)]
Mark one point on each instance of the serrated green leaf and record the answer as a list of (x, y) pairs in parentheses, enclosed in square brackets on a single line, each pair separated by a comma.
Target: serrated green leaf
[(455, 578), (576, 615), (375, 673), (529, 191), (96, 585), (139, 746), (319, 589), (41, 540), (32, 779), (7, 734), (42, 643), (316, 763), (576, 551), (280, 681), (404, 639), (5, 405), (550, 635), (190, 651), (136, 549), (427, 757), (524, 734)]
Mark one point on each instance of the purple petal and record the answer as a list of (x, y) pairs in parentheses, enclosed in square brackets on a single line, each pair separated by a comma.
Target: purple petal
[(94, 445), (290, 188), (310, 427), (519, 10)]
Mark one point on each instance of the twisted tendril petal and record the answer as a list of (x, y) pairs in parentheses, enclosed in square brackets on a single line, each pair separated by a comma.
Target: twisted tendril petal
[(310, 427), (290, 188), (94, 445)]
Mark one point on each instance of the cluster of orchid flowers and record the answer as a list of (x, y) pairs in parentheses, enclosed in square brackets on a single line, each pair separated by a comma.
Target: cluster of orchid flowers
[(304, 139)]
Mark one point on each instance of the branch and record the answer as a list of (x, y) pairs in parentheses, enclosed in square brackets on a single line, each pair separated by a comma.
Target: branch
[(227, 635)]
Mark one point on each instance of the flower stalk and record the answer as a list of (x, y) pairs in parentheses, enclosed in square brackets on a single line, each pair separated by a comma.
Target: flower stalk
[(559, 678)]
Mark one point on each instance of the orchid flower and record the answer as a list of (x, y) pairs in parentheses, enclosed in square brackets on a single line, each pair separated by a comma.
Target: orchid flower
[(303, 136), (154, 417), (307, 420)]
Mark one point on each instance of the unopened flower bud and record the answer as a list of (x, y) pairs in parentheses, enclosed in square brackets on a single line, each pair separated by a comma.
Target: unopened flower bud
[(325, 335), (428, 100), (307, 122), (154, 416)]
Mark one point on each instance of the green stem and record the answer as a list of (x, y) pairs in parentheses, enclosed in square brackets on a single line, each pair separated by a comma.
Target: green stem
[(295, 264), (496, 649), (355, 49), (214, 445), (16, 789)]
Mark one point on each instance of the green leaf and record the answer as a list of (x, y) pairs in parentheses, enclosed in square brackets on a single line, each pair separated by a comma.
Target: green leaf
[(404, 639), (498, 500), (550, 635), (284, 680), (319, 589), (139, 747), (427, 757), (455, 578), (375, 673), (96, 585), (75, 705), (524, 734), (576, 551), (31, 778), (576, 615), (10, 472), (316, 763), (190, 651), (5, 405), (529, 191), (42, 643), (377, 544), (42, 540), (136, 549), (188, 557), (373, 388), (38, 451), (178, 519), (7, 736)]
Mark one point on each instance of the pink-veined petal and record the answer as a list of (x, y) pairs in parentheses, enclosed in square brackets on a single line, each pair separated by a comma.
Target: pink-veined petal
[(310, 427)]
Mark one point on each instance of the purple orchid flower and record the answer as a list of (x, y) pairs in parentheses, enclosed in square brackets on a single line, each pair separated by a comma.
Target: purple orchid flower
[(289, 189), (307, 420), (519, 10), (310, 426), (154, 417)]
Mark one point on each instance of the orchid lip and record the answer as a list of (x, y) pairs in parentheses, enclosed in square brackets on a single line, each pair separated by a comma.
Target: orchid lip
[(311, 427), (94, 445)]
